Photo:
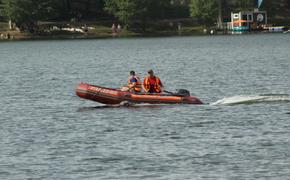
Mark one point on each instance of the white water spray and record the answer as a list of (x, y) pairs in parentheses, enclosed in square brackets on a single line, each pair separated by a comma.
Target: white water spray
[(251, 99)]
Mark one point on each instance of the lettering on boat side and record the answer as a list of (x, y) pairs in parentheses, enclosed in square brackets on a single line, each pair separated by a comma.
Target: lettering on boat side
[(101, 90), (157, 97)]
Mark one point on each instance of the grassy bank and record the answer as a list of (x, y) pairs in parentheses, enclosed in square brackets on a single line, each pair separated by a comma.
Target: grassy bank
[(55, 30)]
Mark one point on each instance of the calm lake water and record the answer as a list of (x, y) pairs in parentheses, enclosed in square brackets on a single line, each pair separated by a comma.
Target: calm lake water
[(242, 132)]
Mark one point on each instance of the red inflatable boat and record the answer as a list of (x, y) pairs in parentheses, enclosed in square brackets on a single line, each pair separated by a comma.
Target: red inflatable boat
[(115, 96)]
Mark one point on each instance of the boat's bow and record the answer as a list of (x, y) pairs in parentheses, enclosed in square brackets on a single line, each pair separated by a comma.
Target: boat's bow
[(99, 94)]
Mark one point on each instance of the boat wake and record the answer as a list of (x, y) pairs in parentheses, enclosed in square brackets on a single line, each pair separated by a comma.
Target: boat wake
[(227, 101), (253, 99)]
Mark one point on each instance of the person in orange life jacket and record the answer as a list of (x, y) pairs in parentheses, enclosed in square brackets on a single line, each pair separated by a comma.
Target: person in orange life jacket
[(134, 83), (152, 83)]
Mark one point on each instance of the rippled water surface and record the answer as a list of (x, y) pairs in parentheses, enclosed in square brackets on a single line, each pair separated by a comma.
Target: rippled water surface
[(242, 132)]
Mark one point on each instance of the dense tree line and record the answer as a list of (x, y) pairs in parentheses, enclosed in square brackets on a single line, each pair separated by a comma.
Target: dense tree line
[(26, 13)]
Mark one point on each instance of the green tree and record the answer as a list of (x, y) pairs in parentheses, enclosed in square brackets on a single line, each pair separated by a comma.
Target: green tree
[(87, 8), (127, 11), (2, 14), (26, 13), (245, 5), (136, 11), (272, 7), (206, 10)]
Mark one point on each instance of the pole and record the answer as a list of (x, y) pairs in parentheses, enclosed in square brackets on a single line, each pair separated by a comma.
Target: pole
[(220, 14)]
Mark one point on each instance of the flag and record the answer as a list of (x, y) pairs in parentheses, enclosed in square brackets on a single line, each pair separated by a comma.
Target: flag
[(260, 3)]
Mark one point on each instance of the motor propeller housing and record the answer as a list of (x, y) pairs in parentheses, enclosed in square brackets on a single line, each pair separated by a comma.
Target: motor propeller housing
[(183, 92)]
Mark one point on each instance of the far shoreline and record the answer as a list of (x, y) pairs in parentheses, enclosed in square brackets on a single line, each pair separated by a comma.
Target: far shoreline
[(72, 36), (103, 30)]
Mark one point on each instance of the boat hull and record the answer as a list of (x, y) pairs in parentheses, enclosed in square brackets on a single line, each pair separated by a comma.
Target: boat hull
[(114, 96)]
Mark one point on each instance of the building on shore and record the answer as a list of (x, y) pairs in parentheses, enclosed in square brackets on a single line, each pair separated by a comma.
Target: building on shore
[(248, 20)]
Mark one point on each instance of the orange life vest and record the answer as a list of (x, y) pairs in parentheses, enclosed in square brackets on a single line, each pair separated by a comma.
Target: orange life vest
[(152, 88), (136, 86)]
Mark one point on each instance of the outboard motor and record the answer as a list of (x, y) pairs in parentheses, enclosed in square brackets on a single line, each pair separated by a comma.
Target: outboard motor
[(183, 92)]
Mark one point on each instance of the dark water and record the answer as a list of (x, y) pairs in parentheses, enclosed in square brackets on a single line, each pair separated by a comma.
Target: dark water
[(242, 132)]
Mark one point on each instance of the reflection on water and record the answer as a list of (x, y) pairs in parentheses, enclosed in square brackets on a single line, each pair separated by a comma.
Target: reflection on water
[(130, 106)]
